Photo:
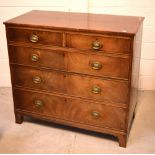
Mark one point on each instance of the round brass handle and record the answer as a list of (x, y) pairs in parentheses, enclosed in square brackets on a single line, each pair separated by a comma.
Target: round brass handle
[(96, 90), (96, 65), (96, 45), (38, 103), (95, 114), (36, 79), (34, 57), (34, 38)]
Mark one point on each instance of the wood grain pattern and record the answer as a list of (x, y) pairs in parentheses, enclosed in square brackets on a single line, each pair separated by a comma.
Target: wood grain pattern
[(55, 59), (115, 67), (111, 90), (80, 86), (51, 81), (110, 24), (133, 99), (70, 109), (44, 37), (111, 66), (53, 77), (110, 44)]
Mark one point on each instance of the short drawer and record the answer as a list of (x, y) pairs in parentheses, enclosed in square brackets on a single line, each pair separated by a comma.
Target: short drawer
[(99, 65), (109, 44), (68, 109), (38, 79), (35, 36), (54, 59), (75, 85)]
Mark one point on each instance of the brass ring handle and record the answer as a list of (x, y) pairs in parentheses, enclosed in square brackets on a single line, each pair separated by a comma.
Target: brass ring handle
[(34, 38), (95, 114), (96, 90), (34, 57), (96, 65), (38, 103), (37, 79), (96, 45)]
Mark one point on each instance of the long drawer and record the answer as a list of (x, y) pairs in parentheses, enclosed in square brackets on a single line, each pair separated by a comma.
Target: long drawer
[(69, 109), (72, 84), (97, 65)]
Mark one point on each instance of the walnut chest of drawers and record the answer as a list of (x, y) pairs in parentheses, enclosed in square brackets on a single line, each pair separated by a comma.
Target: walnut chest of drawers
[(76, 69)]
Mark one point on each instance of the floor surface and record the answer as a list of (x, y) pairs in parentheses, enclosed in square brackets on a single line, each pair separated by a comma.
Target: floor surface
[(34, 136)]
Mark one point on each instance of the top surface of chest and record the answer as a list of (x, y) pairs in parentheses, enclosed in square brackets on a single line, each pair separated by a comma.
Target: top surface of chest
[(123, 25)]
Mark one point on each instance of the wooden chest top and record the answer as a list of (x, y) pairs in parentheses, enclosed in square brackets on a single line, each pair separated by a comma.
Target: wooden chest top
[(110, 24)]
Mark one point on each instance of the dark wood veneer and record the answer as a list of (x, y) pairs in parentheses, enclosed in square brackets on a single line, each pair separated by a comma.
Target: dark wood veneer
[(76, 69)]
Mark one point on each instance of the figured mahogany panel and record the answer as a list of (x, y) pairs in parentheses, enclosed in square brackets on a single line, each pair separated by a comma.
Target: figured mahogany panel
[(75, 85), (38, 79), (55, 59), (109, 90), (70, 61), (70, 109), (34, 36), (106, 65), (109, 44)]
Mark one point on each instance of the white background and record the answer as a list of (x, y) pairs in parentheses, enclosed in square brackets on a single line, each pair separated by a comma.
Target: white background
[(145, 8)]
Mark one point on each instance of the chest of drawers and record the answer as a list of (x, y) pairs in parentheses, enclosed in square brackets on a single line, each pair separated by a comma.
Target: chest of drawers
[(76, 69)]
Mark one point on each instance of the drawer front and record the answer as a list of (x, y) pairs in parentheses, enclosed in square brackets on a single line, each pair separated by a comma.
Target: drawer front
[(70, 109), (98, 65), (80, 86), (107, 44), (74, 62), (98, 89), (37, 79), (37, 57), (35, 36)]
